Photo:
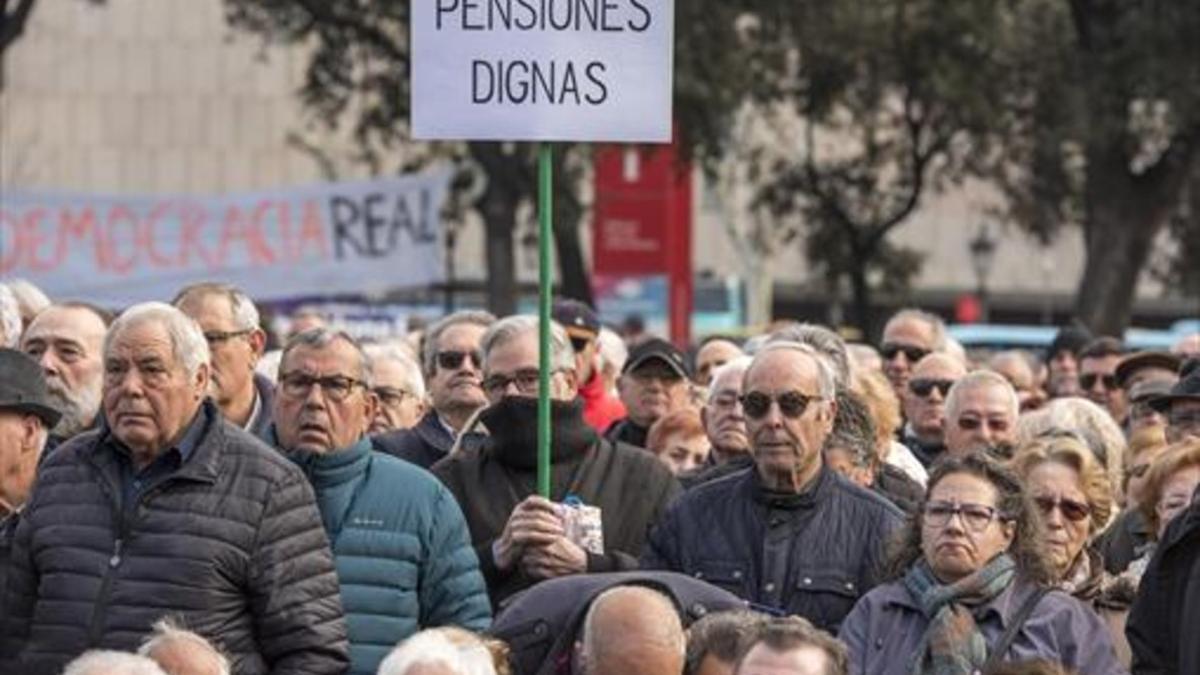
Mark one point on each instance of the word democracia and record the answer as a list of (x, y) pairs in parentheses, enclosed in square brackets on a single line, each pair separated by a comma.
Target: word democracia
[(607, 16)]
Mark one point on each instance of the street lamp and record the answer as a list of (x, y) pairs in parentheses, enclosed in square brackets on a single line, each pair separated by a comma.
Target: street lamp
[(983, 256)]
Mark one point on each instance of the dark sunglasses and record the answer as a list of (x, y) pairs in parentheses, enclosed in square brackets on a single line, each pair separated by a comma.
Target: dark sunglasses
[(792, 404), (924, 386), (1072, 510), (452, 359), (973, 423), (1088, 381), (889, 350), (579, 344)]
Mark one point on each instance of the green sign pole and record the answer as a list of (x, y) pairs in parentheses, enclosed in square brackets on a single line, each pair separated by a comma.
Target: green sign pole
[(545, 287)]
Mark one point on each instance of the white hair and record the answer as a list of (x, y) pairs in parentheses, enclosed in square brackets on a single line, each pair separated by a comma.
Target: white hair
[(826, 377), (613, 352), (187, 341), (245, 314), (562, 354), (414, 381), (981, 379), (737, 365), (10, 318), (433, 646), (434, 334), (29, 297), (105, 662), (166, 631), (935, 323), (1091, 422), (821, 339)]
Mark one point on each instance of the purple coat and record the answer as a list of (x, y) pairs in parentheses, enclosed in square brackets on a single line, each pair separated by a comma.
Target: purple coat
[(885, 628)]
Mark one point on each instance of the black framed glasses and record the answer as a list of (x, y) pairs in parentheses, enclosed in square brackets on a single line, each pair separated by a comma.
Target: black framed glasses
[(213, 337), (975, 517), (335, 387), (392, 396), (913, 353), (792, 404), (1072, 510), (452, 359), (1089, 381), (526, 379), (924, 386), (974, 423)]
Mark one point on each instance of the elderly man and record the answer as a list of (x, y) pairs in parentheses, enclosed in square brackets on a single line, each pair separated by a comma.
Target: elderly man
[(1098, 362), (110, 662), (790, 533), (724, 425), (169, 509), (398, 386), (713, 353), (653, 385), (1016, 366), (181, 652), (795, 647), (924, 405), (229, 321), (981, 414), (452, 374), (604, 495), (398, 537), (67, 340), (600, 408), (907, 337), (1181, 405)]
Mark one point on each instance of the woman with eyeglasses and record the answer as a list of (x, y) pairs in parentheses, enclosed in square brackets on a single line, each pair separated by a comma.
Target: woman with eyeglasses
[(1170, 484), (971, 587), (1070, 489)]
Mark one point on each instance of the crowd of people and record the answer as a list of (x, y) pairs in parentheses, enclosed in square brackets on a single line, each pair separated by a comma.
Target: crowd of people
[(178, 498)]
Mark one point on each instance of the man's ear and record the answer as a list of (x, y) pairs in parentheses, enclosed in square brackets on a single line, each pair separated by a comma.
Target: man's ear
[(258, 344), (201, 380)]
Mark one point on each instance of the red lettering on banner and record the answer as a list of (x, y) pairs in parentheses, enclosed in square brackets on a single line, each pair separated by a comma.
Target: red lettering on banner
[(9, 255), (236, 227), (312, 230), (117, 215), (148, 235), (79, 228), (31, 239), (256, 239), (193, 217)]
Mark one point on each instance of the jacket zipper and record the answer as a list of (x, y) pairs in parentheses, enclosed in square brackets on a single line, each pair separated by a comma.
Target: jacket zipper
[(100, 611)]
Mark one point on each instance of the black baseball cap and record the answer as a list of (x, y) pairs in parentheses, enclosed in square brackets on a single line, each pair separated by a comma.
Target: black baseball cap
[(656, 349), (579, 320)]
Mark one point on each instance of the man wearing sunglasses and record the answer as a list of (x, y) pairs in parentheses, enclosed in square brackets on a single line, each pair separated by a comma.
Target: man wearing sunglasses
[(520, 537), (789, 533), (924, 405), (1098, 363), (908, 336), (453, 376), (600, 408), (229, 321), (981, 414)]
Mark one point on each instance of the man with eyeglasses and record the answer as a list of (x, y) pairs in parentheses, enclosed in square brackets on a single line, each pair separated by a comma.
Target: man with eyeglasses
[(398, 537), (907, 337), (653, 384), (1182, 405), (398, 386), (981, 414), (924, 405), (789, 533), (610, 490), (1098, 363), (600, 408), (452, 363), (724, 426), (229, 321)]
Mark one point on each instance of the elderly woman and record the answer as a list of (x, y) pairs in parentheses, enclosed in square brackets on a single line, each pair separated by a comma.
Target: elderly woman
[(1092, 423), (1170, 484), (969, 587)]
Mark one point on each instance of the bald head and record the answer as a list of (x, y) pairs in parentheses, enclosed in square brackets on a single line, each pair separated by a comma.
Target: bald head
[(632, 630), (924, 396)]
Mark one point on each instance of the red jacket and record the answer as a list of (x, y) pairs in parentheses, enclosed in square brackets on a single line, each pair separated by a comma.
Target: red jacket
[(600, 409)]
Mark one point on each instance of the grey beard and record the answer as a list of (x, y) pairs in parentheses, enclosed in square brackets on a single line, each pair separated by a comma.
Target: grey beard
[(77, 412)]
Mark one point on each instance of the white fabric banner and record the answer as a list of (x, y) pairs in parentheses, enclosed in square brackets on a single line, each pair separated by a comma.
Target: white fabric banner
[(351, 237)]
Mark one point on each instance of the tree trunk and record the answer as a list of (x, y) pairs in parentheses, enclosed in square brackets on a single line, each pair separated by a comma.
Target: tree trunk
[(568, 213), (861, 301), (760, 290), (1125, 213), (498, 206)]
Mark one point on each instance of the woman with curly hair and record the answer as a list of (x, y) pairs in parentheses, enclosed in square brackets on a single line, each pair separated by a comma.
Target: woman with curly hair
[(970, 587)]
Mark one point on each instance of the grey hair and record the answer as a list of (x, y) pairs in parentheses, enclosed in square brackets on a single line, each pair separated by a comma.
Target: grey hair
[(821, 339), (29, 296), (934, 322), (10, 317), (245, 314), (433, 646), (739, 364), (853, 430), (413, 379), (103, 662), (562, 354), (187, 341), (826, 379), (434, 335), (612, 350), (724, 635), (980, 379), (320, 337), (165, 631), (1092, 423)]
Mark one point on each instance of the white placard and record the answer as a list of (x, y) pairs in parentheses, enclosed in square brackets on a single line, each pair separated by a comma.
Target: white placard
[(542, 70)]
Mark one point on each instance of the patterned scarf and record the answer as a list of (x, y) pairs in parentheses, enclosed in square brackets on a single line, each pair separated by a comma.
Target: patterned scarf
[(953, 644)]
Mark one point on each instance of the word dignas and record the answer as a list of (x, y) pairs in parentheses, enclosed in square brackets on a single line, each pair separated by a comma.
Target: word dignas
[(554, 82)]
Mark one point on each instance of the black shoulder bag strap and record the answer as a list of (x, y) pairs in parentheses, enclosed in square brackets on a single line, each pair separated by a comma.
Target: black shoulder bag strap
[(1014, 627)]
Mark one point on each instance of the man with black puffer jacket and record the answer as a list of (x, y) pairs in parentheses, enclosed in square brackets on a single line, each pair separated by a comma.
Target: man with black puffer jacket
[(168, 509), (789, 533)]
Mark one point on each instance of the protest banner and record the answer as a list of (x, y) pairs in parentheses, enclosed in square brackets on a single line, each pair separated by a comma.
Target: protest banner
[(320, 240)]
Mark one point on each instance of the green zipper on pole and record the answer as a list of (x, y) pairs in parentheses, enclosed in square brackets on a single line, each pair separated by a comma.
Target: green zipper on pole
[(545, 287)]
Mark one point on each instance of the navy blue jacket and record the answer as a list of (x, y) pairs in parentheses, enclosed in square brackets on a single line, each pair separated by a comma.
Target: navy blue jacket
[(423, 445), (812, 554), (1164, 619)]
